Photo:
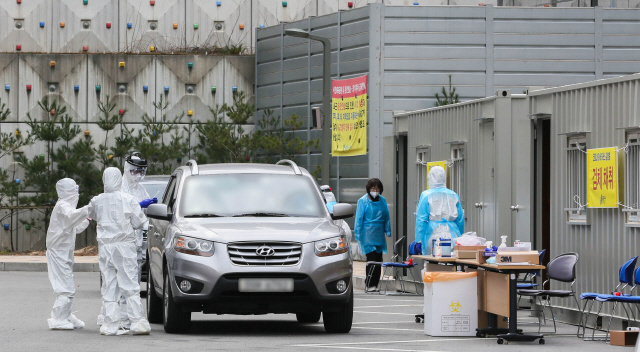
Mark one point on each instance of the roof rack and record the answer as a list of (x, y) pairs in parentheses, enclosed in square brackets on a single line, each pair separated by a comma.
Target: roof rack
[(193, 166), (294, 166)]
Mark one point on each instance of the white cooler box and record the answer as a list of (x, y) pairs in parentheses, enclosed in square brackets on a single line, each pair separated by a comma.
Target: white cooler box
[(450, 303)]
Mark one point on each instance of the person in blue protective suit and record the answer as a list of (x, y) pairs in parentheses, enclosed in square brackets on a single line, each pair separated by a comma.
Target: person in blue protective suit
[(372, 223), (440, 214)]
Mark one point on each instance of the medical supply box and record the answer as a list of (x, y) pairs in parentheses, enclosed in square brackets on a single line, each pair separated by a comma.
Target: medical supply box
[(450, 303), (511, 257)]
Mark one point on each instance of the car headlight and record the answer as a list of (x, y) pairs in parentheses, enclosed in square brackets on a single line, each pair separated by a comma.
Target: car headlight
[(331, 246), (194, 246)]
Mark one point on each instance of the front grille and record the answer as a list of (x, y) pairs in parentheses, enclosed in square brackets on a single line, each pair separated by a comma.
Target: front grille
[(244, 253)]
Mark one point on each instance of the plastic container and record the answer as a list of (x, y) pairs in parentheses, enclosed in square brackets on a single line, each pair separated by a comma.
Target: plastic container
[(450, 303)]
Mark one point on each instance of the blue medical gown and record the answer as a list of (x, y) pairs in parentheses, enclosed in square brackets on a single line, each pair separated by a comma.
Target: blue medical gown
[(372, 223), (439, 206), (330, 206)]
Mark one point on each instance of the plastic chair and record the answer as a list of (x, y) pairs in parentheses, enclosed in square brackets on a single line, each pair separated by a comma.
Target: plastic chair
[(626, 279), (622, 299), (395, 266), (563, 269)]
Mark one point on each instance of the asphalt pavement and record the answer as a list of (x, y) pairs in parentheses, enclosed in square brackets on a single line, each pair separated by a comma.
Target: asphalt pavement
[(381, 323)]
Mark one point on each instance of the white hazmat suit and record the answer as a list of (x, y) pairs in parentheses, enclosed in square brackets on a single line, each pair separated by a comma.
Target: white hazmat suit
[(131, 185), (118, 215), (65, 222)]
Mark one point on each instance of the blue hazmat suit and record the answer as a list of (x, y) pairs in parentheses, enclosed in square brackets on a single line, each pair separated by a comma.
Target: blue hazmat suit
[(372, 223), (439, 212)]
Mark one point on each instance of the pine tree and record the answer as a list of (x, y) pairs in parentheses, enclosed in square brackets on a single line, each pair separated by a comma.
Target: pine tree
[(447, 98)]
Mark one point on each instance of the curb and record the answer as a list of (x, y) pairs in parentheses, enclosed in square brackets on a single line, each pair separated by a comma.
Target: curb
[(42, 267)]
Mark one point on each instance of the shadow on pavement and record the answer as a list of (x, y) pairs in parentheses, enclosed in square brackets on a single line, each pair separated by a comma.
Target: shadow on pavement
[(254, 328)]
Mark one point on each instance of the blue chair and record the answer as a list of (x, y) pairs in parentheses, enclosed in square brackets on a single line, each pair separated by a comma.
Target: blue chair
[(626, 279), (622, 299), (396, 266)]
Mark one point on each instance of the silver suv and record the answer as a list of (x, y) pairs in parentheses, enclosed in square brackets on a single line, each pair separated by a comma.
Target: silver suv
[(247, 239)]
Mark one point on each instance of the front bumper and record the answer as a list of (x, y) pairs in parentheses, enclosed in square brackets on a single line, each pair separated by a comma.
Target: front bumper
[(219, 278)]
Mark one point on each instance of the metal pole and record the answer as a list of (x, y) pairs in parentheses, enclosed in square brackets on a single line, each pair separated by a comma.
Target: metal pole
[(326, 108), (326, 97)]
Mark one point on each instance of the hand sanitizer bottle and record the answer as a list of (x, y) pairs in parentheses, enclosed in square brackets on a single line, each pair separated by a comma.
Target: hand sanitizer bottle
[(504, 242)]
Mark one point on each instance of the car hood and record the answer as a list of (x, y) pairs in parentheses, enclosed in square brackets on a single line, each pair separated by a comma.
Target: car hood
[(290, 229)]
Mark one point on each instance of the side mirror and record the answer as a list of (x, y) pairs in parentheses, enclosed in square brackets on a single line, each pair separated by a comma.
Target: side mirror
[(342, 211), (159, 212)]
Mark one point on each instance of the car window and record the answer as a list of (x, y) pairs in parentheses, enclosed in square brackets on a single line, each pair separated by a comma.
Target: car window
[(170, 187), (155, 190), (250, 195)]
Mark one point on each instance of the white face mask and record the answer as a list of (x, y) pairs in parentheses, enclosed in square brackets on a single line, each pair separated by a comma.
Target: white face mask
[(374, 195)]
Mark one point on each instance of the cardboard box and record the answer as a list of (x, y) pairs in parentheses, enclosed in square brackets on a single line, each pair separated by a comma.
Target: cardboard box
[(624, 338), (518, 257), (468, 252), (451, 307), (467, 255)]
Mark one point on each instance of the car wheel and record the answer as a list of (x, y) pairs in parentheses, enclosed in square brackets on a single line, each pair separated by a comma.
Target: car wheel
[(175, 320), (307, 318), (340, 321), (154, 303)]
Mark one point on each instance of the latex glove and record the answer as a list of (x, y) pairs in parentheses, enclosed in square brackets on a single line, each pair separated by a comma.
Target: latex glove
[(145, 203)]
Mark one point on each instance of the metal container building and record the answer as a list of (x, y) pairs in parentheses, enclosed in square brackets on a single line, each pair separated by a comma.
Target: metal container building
[(484, 142), (409, 52), (529, 151)]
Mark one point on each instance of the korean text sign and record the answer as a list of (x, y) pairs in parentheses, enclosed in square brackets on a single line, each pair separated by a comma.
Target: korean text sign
[(602, 178), (349, 117)]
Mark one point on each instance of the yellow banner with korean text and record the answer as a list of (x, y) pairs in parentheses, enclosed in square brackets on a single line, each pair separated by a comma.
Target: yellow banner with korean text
[(602, 178), (349, 117), (443, 164)]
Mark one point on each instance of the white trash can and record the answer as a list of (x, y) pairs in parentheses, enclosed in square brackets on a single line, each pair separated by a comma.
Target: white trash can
[(450, 303)]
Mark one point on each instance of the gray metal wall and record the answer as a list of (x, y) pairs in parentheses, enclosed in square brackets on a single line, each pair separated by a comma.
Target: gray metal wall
[(87, 71), (604, 109), (489, 48), (289, 81)]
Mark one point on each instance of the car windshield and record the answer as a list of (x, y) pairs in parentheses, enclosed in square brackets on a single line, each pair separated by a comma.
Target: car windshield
[(259, 195), (155, 189)]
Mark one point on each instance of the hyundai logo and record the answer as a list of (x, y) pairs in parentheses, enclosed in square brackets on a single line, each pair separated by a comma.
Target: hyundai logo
[(265, 251)]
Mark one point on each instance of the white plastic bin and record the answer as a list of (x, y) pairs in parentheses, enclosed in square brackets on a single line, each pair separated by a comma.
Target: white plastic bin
[(450, 303)]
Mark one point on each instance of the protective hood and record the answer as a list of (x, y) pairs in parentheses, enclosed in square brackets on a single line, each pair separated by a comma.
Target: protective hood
[(129, 179), (112, 179), (67, 190), (329, 197), (437, 177)]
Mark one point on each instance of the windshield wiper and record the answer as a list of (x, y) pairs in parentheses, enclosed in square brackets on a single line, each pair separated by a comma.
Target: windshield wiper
[(262, 215), (204, 216)]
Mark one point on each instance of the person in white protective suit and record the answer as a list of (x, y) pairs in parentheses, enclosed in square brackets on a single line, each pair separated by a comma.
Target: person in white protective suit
[(117, 216), (65, 222), (330, 199), (440, 213), (135, 168)]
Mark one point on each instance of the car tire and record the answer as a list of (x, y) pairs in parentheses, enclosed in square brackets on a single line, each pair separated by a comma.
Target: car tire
[(340, 321), (154, 303), (308, 318), (175, 320)]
